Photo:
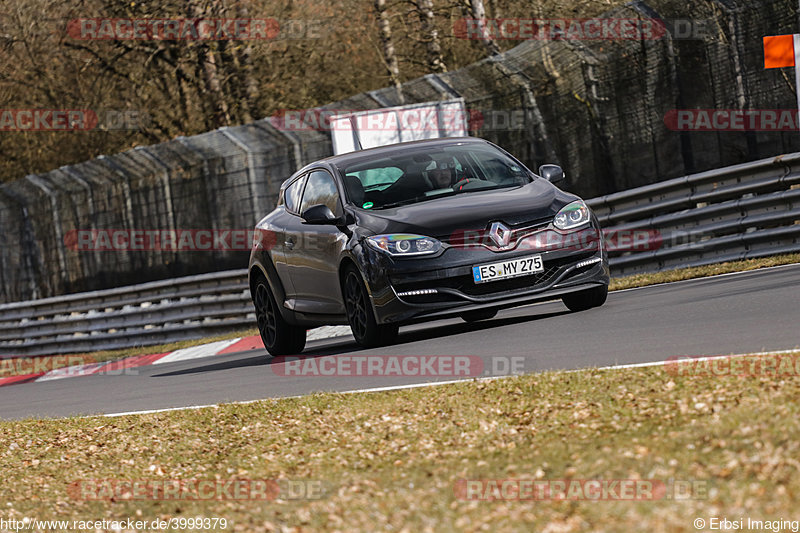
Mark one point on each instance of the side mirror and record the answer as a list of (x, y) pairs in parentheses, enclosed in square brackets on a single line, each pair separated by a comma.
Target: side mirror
[(552, 173), (319, 215)]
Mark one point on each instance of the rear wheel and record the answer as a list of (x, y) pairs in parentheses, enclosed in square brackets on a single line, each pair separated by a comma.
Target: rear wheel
[(475, 316), (580, 301), (279, 337), (366, 330)]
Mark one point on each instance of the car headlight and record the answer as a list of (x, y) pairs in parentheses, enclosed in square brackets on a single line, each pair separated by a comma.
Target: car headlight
[(402, 244), (572, 215)]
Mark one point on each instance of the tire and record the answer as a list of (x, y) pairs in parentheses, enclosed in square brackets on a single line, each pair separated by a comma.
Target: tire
[(581, 301), (279, 337), (475, 316), (366, 330)]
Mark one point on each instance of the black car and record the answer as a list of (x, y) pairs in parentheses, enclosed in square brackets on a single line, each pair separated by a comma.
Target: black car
[(418, 231)]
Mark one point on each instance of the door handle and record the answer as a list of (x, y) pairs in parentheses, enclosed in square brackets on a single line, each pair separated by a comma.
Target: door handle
[(289, 242)]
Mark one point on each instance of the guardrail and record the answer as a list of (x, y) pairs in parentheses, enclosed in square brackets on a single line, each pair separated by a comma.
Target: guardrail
[(138, 315), (738, 212)]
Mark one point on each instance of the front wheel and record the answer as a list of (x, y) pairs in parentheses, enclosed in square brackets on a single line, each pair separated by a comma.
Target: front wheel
[(581, 301), (279, 337), (366, 330)]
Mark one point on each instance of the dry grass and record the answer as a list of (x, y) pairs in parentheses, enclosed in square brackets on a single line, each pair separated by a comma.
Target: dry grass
[(390, 461), (679, 274)]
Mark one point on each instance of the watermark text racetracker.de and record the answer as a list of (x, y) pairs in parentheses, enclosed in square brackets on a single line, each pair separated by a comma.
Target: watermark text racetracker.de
[(430, 120), (64, 366), (61, 120), (196, 29), (759, 365), (178, 240), (198, 489), (388, 366), (634, 239), (534, 489), (205, 29), (24, 366), (582, 29), (208, 240), (702, 120)]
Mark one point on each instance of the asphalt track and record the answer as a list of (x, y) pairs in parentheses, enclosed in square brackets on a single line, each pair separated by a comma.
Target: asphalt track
[(737, 313)]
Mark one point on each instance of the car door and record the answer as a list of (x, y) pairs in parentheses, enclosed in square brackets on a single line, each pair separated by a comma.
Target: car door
[(284, 218), (312, 251)]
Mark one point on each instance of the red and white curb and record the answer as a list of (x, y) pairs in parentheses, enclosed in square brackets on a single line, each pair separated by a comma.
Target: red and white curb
[(239, 344)]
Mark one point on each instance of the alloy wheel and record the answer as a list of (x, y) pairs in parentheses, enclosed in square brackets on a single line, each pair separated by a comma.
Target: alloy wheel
[(356, 305), (265, 315)]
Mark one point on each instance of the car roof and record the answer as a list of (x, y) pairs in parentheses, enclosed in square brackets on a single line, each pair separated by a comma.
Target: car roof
[(379, 151)]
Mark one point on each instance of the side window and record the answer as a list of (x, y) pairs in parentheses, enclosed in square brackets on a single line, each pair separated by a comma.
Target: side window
[(292, 194), (321, 189)]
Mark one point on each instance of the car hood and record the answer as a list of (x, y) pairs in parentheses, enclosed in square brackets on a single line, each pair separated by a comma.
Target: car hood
[(536, 201)]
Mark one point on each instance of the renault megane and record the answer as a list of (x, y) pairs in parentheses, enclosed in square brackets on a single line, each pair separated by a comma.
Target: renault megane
[(453, 227)]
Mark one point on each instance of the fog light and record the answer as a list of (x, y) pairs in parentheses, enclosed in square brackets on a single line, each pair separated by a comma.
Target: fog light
[(417, 292), (588, 262)]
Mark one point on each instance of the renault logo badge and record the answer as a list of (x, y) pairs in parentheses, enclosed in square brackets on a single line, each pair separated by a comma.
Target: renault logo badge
[(500, 234)]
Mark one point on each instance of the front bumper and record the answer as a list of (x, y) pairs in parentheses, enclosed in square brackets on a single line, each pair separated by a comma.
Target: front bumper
[(414, 290)]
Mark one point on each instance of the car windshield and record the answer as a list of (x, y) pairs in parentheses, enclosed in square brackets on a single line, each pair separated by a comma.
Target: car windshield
[(428, 173)]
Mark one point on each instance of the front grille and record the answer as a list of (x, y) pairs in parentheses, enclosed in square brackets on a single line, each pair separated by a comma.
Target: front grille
[(480, 236)]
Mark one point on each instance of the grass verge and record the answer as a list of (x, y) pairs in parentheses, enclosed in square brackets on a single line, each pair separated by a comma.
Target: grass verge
[(391, 460), (680, 274)]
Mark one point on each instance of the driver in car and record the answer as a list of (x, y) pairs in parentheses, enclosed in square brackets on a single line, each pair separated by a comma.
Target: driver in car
[(442, 175)]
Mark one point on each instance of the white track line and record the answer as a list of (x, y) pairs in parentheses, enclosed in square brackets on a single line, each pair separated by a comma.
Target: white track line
[(355, 391), (682, 358)]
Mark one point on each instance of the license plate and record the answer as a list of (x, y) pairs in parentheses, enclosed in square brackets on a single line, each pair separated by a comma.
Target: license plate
[(522, 266)]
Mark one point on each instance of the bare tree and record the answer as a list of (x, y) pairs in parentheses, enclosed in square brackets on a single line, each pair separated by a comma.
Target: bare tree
[(389, 54), (431, 36), (495, 9), (244, 62), (185, 86), (478, 12), (208, 63)]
